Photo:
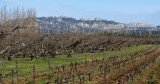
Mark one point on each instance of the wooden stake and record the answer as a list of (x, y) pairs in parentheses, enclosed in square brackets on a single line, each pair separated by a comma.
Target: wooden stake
[(49, 65), (73, 78), (34, 82), (12, 77), (58, 71), (61, 80), (71, 69), (92, 63), (89, 74), (105, 75), (52, 71), (17, 71), (103, 53), (85, 60), (1, 81)]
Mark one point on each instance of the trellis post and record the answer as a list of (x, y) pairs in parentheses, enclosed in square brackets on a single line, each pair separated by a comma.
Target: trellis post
[(17, 71), (12, 77), (104, 75), (1, 81), (34, 74)]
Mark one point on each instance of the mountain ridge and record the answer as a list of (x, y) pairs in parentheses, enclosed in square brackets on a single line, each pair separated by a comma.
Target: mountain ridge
[(64, 22)]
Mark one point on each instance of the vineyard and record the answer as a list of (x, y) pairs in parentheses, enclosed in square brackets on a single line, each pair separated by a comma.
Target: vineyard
[(29, 55), (139, 66)]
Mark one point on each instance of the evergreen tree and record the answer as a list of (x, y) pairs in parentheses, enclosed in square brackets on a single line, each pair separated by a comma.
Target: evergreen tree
[(140, 33), (145, 34)]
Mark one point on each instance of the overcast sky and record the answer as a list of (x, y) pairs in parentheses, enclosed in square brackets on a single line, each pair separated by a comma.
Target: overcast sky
[(125, 11)]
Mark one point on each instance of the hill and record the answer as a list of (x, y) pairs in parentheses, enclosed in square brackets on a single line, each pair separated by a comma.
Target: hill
[(72, 24)]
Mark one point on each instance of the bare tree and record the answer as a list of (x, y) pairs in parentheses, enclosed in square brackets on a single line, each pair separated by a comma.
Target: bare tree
[(13, 23)]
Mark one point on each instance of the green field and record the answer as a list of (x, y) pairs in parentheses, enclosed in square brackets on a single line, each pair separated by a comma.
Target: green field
[(25, 65)]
